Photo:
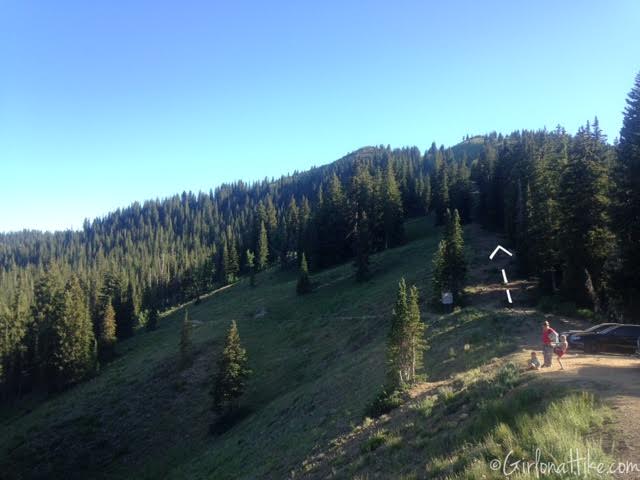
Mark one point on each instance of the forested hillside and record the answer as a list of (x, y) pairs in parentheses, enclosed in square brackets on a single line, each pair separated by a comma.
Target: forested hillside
[(569, 204)]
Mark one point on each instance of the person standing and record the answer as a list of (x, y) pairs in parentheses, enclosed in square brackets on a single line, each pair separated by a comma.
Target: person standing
[(549, 339), (561, 349)]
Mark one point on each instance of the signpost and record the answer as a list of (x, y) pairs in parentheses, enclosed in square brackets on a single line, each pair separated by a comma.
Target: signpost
[(447, 301)]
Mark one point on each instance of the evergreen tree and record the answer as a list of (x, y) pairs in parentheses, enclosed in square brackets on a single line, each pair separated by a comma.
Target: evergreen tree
[(107, 333), (251, 266), (392, 211), (186, 341), (449, 263), (543, 224), (14, 327), (440, 272), (363, 247), (456, 253), (585, 237), (332, 222), (522, 228), (75, 351), (225, 264), (626, 196), (304, 282), (233, 372), (263, 248), (396, 343), (426, 195), (46, 311), (233, 266), (442, 200), (127, 317), (405, 344), (416, 332)]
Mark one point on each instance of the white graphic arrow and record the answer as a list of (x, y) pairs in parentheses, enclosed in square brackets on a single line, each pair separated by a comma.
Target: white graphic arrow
[(504, 274), (499, 247)]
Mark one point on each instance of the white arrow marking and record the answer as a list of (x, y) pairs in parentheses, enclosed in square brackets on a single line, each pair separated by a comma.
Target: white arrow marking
[(499, 247), (509, 296), (504, 276)]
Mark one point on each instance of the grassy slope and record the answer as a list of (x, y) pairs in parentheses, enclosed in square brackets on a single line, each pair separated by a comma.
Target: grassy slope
[(318, 361), (475, 408)]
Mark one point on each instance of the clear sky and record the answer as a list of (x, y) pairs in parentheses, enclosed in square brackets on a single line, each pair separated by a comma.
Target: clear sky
[(103, 103)]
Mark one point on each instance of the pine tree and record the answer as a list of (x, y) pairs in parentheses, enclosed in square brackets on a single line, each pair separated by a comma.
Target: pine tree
[(449, 262), (456, 254), (225, 263), (251, 266), (233, 372), (74, 353), (14, 328), (46, 310), (426, 194), (107, 333), (405, 344), (4, 343), (362, 247), (543, 222), (416, 332), (126, 319), (522, 228), (304, 282), (263, 248), (442, 197), (233, 266), (392, 211), (586, 240), (626, 196), (397, 344), (186, 341), (440, 272)]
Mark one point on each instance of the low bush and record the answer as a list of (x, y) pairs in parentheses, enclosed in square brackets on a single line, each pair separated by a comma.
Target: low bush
[(384, 402)]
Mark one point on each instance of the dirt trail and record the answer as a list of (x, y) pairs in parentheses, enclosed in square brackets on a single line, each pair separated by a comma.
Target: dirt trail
[(614, 378)]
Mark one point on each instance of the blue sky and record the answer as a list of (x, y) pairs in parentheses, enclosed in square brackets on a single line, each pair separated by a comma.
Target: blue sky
[(106, 103)]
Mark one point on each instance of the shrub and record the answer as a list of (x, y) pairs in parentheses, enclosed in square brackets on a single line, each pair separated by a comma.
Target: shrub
[(385, 402), (425, 406), (374, 441), (586, 314), (379, 439), (446, 394)]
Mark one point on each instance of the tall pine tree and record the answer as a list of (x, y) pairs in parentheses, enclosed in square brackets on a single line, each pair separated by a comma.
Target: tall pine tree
[(304, 283), (263, 248), (585, 237), (626, 205), (362, 247), (233, 372), (107, 332), (75, 353)]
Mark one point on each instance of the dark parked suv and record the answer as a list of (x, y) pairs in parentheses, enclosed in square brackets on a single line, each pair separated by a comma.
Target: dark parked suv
[(621, 339), (574, 337)]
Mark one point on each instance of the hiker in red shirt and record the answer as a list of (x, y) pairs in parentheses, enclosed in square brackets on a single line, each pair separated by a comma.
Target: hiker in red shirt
[(549, 339)]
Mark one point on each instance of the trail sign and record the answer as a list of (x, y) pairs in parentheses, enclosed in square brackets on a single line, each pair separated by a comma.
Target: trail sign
[(447, 298)]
